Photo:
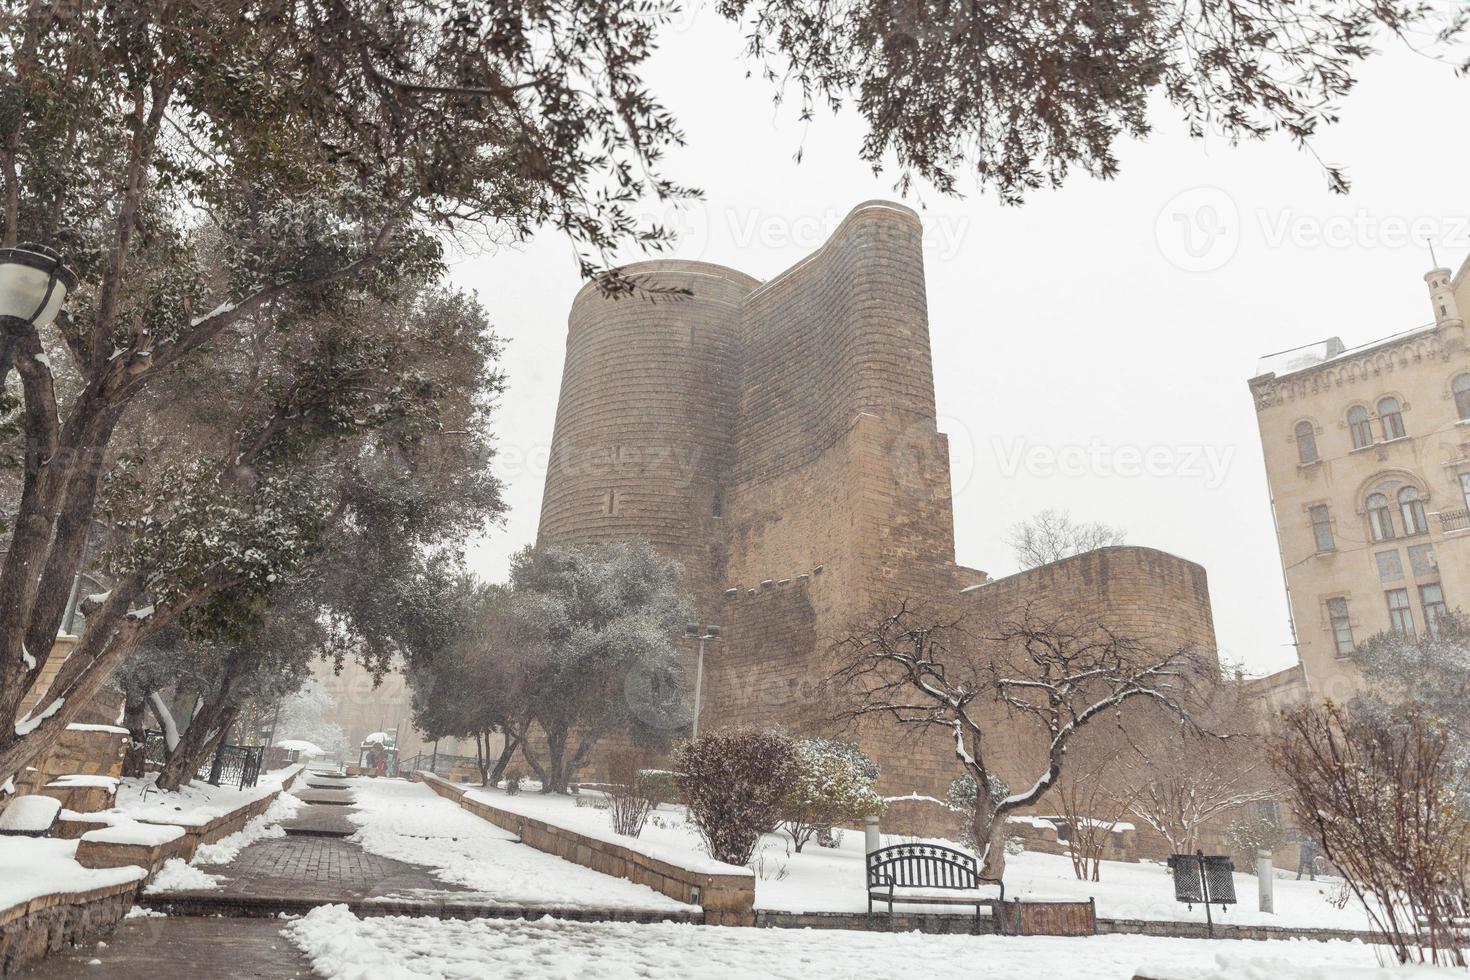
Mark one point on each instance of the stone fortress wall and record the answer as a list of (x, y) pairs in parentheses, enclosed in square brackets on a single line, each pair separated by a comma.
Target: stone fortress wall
[(779, 440)]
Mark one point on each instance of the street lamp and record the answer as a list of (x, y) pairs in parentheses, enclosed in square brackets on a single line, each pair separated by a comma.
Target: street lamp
[(694, 632), (33, 283)]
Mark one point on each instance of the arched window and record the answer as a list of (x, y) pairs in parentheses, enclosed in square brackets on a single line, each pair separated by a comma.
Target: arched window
[(1359, 426), (1380, 517), (1461, 387), (1390, 418), (1306, 443), (1411, 510)]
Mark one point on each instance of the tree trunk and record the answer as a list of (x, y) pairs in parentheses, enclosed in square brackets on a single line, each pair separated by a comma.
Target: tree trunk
[(135, 720), (555, 779), (512, 742), (989, 829), (198, 743)]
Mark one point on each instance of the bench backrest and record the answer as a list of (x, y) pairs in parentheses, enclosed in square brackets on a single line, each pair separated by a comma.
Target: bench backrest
[(922, 866)]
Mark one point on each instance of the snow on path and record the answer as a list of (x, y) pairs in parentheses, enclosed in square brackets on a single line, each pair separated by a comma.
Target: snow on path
[(344, 947), (176, 875), (409, 822)]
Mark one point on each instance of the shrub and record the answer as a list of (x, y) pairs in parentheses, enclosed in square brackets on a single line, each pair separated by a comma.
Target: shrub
[(1255, 832), (661, 785), (733, 781), (629, 799), (513, 782), (1383, 794), (962, 797), (831, 786)]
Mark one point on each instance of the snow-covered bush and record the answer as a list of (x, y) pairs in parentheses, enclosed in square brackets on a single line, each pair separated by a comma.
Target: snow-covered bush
[(1382, 793), (1254, 832), (832, 785), (512, 782), (733, 781), (661, 785)]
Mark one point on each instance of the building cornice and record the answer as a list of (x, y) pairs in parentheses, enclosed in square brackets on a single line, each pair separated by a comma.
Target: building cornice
[(1373, 362)]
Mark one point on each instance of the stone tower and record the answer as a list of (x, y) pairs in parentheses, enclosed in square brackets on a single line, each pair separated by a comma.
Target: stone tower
[(778, 439)]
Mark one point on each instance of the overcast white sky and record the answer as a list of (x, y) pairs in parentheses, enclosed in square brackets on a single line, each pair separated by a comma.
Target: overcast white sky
[(1091, 348)]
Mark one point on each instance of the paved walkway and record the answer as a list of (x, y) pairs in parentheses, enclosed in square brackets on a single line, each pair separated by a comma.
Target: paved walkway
[(178, 948)]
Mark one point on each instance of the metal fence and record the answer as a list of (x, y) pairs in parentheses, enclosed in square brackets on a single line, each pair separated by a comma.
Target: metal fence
[(231, 765)]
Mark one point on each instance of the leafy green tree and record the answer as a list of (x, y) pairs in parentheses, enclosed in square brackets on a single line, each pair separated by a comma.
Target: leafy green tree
[(595, 626)]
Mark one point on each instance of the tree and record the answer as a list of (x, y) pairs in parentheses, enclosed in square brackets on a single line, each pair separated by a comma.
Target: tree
[(1046, 679), (1431, 672), (596, 625), (831, 786), (1178, 777), (1092, 803), (1052, 535), (1384, 795), (1022, 93), (305, 716), (474, 685), (217, 173)]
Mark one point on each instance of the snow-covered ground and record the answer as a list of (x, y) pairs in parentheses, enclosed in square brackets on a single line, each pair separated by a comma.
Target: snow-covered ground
[(823, 879), (410, 822), (178, 875), (190, 806), (32, 867), (344, 947), (665, 836)]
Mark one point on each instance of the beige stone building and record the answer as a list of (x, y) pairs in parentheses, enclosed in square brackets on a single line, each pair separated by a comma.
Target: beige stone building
[(1367, 454)]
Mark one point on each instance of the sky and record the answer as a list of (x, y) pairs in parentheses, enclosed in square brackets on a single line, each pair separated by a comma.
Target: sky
[(1091, 347)]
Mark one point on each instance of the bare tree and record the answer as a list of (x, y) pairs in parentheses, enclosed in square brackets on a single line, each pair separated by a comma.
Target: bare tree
[(1091, 804), (1178, 777), (1046, 678), (1382, 793), (1052, 535)]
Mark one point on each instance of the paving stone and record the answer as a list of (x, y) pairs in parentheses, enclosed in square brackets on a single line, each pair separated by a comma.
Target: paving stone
[(178, 948), (322, 821), (324, 797)]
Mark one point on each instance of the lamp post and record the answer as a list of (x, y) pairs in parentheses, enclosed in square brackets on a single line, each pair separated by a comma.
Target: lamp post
[(695, 632), (33, 284)]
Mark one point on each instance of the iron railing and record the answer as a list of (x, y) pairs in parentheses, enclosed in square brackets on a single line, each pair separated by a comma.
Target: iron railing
[(231, 765), (1453, 520)]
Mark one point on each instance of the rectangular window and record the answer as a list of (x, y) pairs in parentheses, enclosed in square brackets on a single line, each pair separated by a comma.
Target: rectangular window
[(1322, 527), (1342, 629), (610, 503), (1400, 615), (1390, 566), (1465, 488), (1432, 598), (1421, 557)]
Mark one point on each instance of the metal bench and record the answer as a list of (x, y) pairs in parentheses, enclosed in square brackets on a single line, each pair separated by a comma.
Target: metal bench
[(930, 874)]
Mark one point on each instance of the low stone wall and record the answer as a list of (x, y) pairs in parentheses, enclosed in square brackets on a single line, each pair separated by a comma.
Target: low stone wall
[(727, 900), (51, 923), (1198, 930)]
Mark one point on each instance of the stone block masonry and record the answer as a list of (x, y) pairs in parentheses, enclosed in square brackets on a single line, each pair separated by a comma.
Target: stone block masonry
[(727, 899), (779, 440)]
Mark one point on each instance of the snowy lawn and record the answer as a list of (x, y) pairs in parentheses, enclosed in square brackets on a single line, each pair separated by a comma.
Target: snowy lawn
[(31, 867), (190, 806), (409, 822), (344, 947), (823, 879)]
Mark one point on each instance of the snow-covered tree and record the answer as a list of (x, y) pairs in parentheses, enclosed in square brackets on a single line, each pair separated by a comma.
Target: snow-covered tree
[(1178, 776), (1041, 680), (1430, 671), (594, 626), (220, 177), (306, 716), (833, 785)]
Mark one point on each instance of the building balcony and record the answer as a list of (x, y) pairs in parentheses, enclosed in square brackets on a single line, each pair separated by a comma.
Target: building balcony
[(1453, 520)]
